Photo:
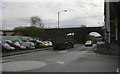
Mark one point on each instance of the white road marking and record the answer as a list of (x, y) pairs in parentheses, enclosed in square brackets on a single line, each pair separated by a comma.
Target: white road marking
[(95, 49), (63, 51), (22, 65), (117, 70), (60, 62)]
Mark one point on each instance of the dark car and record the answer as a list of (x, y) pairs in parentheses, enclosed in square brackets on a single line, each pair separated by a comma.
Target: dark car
[(36, 43), (63, 42)]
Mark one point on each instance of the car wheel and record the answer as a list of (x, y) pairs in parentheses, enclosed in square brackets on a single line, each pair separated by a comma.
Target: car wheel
[(72, 46), (55, 48), (16, 49)]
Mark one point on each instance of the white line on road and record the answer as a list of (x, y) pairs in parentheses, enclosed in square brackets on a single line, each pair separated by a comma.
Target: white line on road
[(62, 51), (60, 62), (22, 65), (117, 70), (95, 49)]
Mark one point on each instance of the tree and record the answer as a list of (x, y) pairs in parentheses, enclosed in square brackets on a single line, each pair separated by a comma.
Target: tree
[(89, 37), (36, 22), (83, 25), (30, 31)]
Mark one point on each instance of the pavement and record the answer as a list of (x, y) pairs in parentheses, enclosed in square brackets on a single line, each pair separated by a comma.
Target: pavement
[(113, 50)]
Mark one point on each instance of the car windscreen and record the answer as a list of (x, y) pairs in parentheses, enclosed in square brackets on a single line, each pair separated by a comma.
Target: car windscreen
[(17, 43), (88, 42), (5, 44)]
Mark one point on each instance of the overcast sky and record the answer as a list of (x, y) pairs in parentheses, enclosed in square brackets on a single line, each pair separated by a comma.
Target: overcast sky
[(18, 12)]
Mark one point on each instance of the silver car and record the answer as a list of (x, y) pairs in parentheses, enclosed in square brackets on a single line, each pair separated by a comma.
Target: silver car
[(88, 43), (28, 45)]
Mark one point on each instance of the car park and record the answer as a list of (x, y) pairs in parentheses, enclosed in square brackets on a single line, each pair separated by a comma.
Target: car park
[(15, 44), (28, 45), (21, 44), (88, 43)]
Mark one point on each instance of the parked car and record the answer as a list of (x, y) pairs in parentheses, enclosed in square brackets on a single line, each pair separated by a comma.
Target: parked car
[(9, 42), (28, 45), (43, 44), (101, 44), (18, 46), (6, 47), (36, 42), (88, 43), (49, 43)]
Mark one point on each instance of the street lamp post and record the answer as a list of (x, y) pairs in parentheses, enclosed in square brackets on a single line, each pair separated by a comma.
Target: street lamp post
[(59, 15), (59, 19)]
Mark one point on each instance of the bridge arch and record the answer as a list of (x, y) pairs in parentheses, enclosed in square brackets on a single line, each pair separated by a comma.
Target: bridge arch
[(79, 33)]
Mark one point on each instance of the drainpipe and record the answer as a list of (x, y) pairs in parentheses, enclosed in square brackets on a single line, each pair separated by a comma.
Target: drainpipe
[(116, 30), (108, 21)]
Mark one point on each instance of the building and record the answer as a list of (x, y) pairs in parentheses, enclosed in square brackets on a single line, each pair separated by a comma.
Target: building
[(8, 33), (1, 32), (112, 21)]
